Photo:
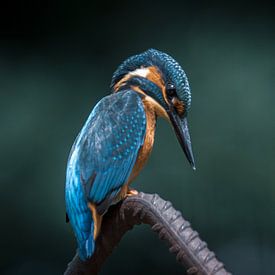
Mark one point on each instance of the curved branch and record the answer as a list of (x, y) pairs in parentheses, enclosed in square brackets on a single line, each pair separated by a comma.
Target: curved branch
[(183, 241)]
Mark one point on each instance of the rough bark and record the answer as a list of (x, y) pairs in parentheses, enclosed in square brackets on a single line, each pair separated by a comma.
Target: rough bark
[(183, 241)]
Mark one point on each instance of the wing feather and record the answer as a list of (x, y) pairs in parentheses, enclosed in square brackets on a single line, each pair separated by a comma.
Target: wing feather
[(109, 143)]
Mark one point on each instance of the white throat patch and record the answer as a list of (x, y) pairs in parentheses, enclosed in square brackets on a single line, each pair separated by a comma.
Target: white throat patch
[(143, 72)]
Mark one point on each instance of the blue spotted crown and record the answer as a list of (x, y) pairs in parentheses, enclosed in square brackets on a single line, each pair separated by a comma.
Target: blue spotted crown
[(170, 69)]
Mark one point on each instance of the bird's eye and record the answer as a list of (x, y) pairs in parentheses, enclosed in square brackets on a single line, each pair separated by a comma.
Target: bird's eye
[(171, 91)]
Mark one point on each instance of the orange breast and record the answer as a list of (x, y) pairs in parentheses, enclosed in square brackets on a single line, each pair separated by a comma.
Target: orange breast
[(145, 150)]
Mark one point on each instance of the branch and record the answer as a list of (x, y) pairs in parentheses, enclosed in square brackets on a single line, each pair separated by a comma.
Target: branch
[(183, 241)]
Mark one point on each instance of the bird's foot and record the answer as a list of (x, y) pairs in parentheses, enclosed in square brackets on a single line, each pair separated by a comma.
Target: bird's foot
[(132, 192)]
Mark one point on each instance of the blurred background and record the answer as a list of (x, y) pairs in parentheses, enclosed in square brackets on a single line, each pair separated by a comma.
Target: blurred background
[(56, 62)]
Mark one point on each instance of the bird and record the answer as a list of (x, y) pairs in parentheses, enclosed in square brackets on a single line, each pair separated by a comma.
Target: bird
[(117, 139)]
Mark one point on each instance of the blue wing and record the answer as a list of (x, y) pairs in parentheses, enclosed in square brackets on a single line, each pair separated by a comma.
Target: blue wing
[(102, 159)]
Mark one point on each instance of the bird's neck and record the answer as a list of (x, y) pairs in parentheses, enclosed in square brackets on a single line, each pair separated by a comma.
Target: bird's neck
[(151, 105), (149, 83)]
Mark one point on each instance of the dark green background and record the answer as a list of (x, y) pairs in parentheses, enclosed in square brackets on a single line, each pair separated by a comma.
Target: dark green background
[(56, 62)]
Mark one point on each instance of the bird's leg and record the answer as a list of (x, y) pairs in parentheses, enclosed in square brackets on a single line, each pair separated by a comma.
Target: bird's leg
[(126, 191), (131, 192), (96, 218)]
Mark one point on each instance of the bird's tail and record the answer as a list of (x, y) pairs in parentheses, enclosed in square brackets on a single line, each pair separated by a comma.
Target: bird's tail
[(81, 219), (86, 247)]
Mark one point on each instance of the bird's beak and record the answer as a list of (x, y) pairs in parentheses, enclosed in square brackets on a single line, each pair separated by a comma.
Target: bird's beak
[(181, 129)]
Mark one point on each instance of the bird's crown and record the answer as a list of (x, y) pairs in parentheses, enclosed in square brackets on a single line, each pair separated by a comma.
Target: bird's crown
[(171, 75)]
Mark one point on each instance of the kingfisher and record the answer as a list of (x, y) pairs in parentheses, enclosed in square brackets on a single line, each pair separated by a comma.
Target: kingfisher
[(117, 139)]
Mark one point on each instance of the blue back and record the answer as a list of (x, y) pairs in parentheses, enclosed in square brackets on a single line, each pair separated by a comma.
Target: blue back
[(102, 159)]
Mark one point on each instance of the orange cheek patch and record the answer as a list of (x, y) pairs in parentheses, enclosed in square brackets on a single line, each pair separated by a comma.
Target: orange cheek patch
[(179, 106), (155, 76), (122, 82)]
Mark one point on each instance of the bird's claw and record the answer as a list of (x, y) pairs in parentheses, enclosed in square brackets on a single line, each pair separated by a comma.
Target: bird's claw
[(132, 192)]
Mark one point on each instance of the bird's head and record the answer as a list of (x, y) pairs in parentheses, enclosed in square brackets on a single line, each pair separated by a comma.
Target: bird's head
[(164, 84)]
